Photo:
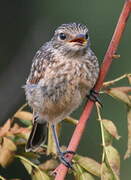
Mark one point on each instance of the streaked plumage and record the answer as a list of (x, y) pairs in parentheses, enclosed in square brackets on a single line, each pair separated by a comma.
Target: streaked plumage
[(62, 74)]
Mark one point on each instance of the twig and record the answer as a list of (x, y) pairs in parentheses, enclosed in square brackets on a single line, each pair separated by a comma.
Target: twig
[(109, 83), (61, 170)]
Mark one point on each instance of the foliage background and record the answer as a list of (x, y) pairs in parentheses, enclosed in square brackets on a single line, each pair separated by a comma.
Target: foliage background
[(25, 25)]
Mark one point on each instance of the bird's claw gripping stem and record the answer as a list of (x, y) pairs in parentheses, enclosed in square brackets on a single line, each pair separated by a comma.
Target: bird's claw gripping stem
[(93, 96), (64, 160)]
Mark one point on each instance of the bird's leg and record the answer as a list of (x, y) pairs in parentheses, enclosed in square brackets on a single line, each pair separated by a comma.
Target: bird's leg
[(93, 96), (61, 154)]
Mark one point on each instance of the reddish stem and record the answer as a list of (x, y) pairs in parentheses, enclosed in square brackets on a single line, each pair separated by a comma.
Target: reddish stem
[(61, 170)]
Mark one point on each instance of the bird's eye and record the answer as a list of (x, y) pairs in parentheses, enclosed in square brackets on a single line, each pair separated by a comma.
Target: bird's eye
[(86, 35), (62, 36)]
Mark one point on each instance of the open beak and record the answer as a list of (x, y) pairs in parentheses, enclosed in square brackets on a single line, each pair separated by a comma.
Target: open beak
[(80, 39)]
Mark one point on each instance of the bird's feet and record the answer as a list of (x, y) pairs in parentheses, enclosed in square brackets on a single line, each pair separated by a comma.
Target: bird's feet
[(64, 159), (94, 96)]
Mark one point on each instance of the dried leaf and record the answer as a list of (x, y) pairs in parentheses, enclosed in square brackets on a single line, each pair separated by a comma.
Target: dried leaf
[(114, 92), (89, 164), (106, 173), (111, 128), (20, 130), (5, 128), (14, 128), (128, 152), (24, 115), (124, 89), (39, 175), (113, 159), (7, 150)]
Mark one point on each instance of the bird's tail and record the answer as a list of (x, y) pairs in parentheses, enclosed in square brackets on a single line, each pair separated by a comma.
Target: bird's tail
[(37, 137)]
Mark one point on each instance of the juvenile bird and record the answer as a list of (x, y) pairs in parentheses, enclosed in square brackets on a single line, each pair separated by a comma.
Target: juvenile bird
[(63, 72)]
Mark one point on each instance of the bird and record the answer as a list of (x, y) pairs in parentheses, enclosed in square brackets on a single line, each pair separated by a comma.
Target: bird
[(63, 72)]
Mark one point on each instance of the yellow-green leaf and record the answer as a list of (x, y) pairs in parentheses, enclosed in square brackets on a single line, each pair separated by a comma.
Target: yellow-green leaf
[(89, 164), (33, 169), (85, 176), (111, 128), (113, 159), (39, 175), (107, 137), (128, 152), (24, 115), (27, 166), (71, 120), (106, 173), (51, 147), (80, 173)]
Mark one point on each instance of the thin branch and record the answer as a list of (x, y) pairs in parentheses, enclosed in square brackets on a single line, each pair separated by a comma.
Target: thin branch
[(61, 170), (109, 83)]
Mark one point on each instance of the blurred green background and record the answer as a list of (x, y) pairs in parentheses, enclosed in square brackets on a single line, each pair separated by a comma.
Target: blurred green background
[(26, 25)]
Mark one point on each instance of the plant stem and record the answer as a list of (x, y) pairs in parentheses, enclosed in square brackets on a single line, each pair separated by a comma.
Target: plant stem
[(102, 131)]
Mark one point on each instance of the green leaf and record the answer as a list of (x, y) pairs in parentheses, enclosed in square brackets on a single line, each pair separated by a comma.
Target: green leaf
[(25, 122)]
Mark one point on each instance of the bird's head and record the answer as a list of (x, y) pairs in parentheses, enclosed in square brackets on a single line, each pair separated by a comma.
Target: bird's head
[(71, 37)]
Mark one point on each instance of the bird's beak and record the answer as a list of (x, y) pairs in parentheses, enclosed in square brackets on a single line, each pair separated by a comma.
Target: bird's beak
[(80, 38)]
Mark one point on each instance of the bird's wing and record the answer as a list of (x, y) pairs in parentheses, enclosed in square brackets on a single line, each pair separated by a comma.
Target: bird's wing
[(40, 63)]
